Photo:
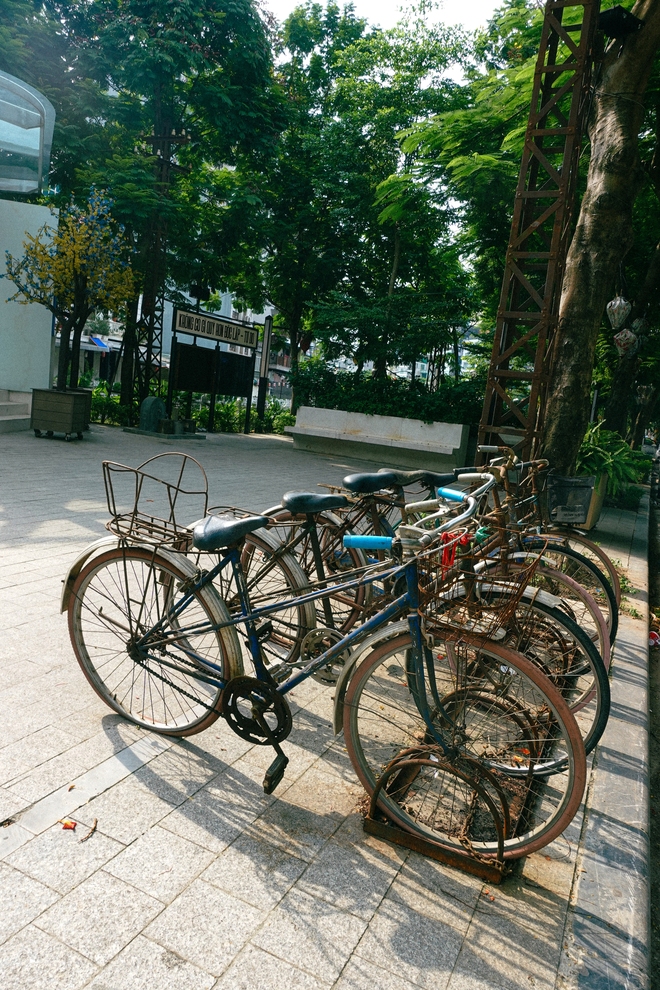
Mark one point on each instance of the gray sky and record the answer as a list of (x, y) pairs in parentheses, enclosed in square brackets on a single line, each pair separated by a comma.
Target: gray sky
[(470, 13)]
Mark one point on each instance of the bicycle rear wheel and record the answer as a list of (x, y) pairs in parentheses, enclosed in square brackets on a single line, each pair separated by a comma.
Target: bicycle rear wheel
[(589, 549), (116, 599), (582, 570), (487, 703)]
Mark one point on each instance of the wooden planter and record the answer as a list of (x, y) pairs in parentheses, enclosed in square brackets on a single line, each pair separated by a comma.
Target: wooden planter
[(60, 412)]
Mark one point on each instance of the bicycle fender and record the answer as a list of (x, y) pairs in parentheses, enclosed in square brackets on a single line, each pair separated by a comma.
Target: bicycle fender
[(98, 546), (354, 657)]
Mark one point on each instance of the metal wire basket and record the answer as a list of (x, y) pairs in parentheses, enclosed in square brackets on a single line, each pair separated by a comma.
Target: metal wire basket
[(158, 502), (458, 598), (569, 498)]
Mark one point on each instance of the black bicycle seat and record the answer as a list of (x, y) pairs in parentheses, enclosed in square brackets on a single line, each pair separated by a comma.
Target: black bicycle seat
[(306, 503), (366, 484), (213, 533), (402, 477), (434, 480)]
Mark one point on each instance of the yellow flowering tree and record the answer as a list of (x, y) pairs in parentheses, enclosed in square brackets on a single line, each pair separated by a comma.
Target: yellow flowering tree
[(74, 270)]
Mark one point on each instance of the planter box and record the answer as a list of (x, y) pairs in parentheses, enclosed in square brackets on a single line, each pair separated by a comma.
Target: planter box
[(60, 412), (596, 504), (388, 440)]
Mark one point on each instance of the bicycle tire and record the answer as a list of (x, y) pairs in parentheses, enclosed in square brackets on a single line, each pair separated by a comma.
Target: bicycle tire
[(382, 719), (563, 652), (572, 599), (582, 570), (347, 605), (125, 591), (590, 549)]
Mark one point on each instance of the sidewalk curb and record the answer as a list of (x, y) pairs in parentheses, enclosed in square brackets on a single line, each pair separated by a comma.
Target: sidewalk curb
[(605, 942)]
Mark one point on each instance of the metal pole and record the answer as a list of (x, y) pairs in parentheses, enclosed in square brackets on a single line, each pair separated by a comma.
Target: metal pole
[(170, 377), (263, 368), (211, 423), (248, 401)]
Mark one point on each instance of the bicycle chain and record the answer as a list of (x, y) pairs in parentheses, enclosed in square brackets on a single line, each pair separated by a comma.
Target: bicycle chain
[(175, 687)]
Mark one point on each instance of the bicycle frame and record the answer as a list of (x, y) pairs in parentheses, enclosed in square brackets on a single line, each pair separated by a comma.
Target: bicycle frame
[(407, 603)]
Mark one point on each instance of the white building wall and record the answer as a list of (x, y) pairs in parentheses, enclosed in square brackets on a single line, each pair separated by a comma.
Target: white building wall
[(25, 331)]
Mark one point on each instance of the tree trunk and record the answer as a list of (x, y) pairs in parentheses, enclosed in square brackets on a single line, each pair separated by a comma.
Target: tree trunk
[(78, 328), (63, 357), (130, 342), (603, 234)]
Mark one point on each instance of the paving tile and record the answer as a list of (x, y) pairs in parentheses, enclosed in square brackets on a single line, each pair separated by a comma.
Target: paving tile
[(311, 934), (362, 975), (180, 772), (47, 778), (427, 887), (206, 926), (160, 863), (254, 969), (11, 838), (59, 859), (22, 899), (215, 815), (10, 804), (255, 871), (413, 947), (35, 960), (354, 878), (25, 754), (144, 965), (297, 830), (125, 811), (505, 953), (100, 916)]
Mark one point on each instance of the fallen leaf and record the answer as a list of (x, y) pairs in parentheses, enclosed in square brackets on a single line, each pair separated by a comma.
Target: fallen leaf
[(71, 787), (7, 822), (68, 823)]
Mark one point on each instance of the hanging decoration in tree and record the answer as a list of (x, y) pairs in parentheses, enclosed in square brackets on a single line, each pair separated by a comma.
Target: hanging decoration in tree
[(625, 342), (618, 311)]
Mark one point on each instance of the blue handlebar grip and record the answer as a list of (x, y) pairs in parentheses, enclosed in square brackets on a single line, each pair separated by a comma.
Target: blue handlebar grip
[(368, 542), (451, 494)]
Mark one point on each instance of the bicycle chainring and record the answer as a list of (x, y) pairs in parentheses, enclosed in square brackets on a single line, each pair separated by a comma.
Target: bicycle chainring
[(245, 697)]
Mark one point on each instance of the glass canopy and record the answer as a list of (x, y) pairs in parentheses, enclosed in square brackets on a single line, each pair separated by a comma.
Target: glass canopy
[(26, 134)]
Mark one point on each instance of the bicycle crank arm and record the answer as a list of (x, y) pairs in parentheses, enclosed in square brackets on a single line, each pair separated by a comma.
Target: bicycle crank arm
[(275, 771)]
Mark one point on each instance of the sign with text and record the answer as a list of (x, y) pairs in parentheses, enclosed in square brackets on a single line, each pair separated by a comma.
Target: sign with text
[(215, 328)]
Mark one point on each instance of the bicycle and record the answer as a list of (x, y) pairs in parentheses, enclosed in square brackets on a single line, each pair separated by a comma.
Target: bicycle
[(159, 646)]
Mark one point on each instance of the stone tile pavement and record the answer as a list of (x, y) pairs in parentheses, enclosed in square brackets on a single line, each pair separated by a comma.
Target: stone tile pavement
[(194, 878)]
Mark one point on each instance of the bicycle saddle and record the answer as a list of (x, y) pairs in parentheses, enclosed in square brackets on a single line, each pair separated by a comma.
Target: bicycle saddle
[(305, 503), (213, 533), (367, 484), (430, 478)]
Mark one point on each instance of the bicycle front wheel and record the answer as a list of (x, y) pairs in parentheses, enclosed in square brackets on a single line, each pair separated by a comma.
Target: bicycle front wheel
[(487, 703), (116, 600)]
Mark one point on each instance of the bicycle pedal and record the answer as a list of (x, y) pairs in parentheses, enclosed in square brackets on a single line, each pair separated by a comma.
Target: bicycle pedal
[(275, 772)]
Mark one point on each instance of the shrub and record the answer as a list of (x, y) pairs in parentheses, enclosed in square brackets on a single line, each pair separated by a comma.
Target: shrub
[(604, 450), (453, 402)]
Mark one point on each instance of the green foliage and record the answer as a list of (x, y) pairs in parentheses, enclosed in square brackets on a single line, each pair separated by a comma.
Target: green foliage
[(454, 402), (106, 408), (628, 499), (604, 450)]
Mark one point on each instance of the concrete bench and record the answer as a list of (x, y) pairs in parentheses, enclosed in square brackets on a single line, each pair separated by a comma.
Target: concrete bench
[(389, 440)]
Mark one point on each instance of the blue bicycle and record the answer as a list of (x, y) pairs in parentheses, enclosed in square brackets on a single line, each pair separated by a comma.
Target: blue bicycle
[(161, 647)]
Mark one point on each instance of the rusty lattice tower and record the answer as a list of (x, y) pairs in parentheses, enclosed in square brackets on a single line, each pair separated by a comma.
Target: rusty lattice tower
[(520, 366)]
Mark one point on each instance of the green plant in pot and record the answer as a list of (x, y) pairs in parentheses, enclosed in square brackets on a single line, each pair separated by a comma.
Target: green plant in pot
[(604, 452)]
